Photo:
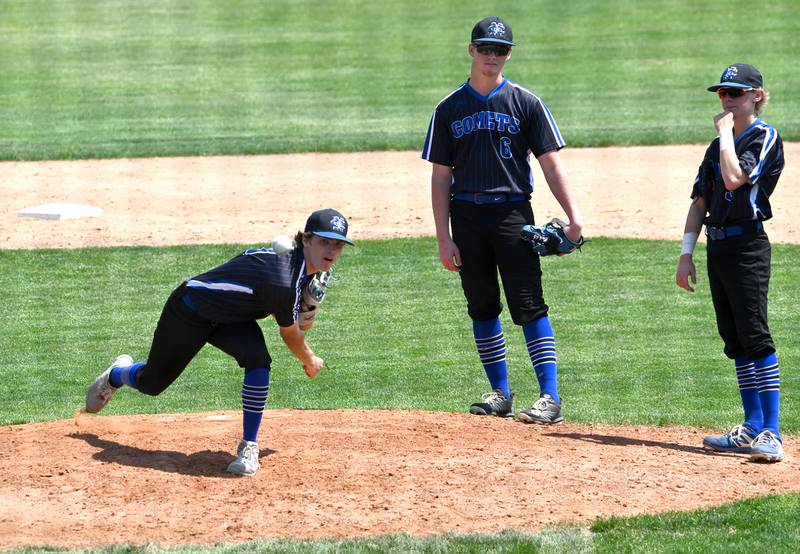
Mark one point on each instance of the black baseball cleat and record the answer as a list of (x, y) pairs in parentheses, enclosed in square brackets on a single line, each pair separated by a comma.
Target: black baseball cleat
[(494, 403), (545, 411)]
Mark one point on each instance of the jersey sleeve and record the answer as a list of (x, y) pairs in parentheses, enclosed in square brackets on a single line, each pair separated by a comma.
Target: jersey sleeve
[(762, 160), (705, 174), (542, 133), (439, 147), (285, 306)]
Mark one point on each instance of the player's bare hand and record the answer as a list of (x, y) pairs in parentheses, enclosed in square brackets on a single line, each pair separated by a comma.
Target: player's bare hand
[(449, 255), (723, 121), (574, 232), (686, 271), (313, 367)]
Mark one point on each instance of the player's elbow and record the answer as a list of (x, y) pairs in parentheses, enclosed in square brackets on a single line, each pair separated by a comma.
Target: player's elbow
[(732, 183), (732, 180)]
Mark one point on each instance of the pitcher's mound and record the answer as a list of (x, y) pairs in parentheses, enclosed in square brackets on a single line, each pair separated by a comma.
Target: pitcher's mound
[(349, 473)]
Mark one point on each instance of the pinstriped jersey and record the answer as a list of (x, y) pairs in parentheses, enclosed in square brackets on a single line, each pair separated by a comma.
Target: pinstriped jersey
[(487, 140), (251, 286), (760, 152)]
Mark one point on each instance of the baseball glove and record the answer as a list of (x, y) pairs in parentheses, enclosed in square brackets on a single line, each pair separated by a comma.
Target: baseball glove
[(313, 295), (550, 239)]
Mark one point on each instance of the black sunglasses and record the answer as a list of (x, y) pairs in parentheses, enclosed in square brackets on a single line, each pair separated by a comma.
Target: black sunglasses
[(496, 49), (732, 92)]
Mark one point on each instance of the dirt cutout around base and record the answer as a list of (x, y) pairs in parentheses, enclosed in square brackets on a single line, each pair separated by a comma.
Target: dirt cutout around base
[(339, 473), (119, 480)]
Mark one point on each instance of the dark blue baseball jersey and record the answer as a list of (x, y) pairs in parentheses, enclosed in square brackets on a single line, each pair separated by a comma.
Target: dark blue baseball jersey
[(760, 152), (487, 140), (251, 286)]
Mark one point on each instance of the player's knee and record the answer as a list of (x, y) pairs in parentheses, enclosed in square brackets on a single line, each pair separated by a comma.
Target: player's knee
[(521, 317), (484, 312), (255, 360), (151, 388)]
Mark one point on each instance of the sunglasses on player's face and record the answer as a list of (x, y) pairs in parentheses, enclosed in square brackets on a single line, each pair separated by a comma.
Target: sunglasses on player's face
[(732, 92), (496, 49)]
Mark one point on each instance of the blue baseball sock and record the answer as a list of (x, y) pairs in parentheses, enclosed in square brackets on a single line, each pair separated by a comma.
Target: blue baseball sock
[(255, 390), (125, 375), (768, 381), (542, 351), (746, 376), (491, 344)]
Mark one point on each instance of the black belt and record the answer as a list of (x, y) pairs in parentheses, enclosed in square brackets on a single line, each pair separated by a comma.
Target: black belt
[(723, 232), (483, 198)]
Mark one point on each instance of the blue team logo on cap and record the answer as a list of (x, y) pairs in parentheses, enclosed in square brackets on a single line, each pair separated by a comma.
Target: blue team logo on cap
[(497, 29), (730, 73), (339, 224)]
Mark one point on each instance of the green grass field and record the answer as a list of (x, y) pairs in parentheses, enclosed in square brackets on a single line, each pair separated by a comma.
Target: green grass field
[(633, 348), (149, 78), (109, 78)]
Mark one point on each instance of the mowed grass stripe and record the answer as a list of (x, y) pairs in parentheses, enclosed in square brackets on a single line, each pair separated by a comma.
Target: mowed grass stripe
[(115, 79)]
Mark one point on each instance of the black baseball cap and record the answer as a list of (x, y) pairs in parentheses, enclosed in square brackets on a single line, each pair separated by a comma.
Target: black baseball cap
[(328, 223), (739, 75), (492, 30)]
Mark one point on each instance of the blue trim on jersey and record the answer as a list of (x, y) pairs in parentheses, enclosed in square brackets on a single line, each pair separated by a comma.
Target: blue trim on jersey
[(559, 139), (769, 142), (550, 119), (220, 286), (489, 96), (298, 289), (262, 250), (747, 131), (426, 149)]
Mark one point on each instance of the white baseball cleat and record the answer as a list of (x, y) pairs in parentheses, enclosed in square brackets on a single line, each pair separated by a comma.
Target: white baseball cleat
[(246, 463), (101, 391)]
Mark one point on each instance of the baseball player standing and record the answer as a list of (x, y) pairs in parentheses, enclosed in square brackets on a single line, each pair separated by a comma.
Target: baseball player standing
[(479, 141), (220, 307), (731, 197)]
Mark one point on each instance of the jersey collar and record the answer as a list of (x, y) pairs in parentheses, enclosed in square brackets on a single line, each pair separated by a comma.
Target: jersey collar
[(486, 98)]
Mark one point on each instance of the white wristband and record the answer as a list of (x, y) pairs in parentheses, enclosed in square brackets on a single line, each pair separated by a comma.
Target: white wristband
[(726, 141), (689, 240)]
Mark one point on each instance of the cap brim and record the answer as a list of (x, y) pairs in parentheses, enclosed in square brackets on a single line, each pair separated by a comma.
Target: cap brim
[(335, 236), (493, 41), (715, 88)]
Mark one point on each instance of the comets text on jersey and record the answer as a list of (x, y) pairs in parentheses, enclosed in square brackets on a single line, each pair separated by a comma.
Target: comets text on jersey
[(485, 121)]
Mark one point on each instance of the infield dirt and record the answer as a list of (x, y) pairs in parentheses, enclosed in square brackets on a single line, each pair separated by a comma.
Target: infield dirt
[(101, 480)]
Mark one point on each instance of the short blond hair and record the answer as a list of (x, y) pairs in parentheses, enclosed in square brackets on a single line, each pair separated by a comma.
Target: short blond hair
[(762, 104)]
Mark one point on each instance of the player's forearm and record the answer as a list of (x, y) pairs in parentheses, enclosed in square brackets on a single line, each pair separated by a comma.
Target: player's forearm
[(295, 340), (440, 201), (694, 219), (556, 178), (730, 170), (691, 230)]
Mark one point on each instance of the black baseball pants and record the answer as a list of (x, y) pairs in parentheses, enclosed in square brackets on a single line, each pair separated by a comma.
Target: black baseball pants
[(738, 274), (181, 333), (488, 237)]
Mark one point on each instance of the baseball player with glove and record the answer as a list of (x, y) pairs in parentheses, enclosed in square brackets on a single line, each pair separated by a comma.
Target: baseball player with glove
[(731, 196), (221, 307), (479, 141)]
